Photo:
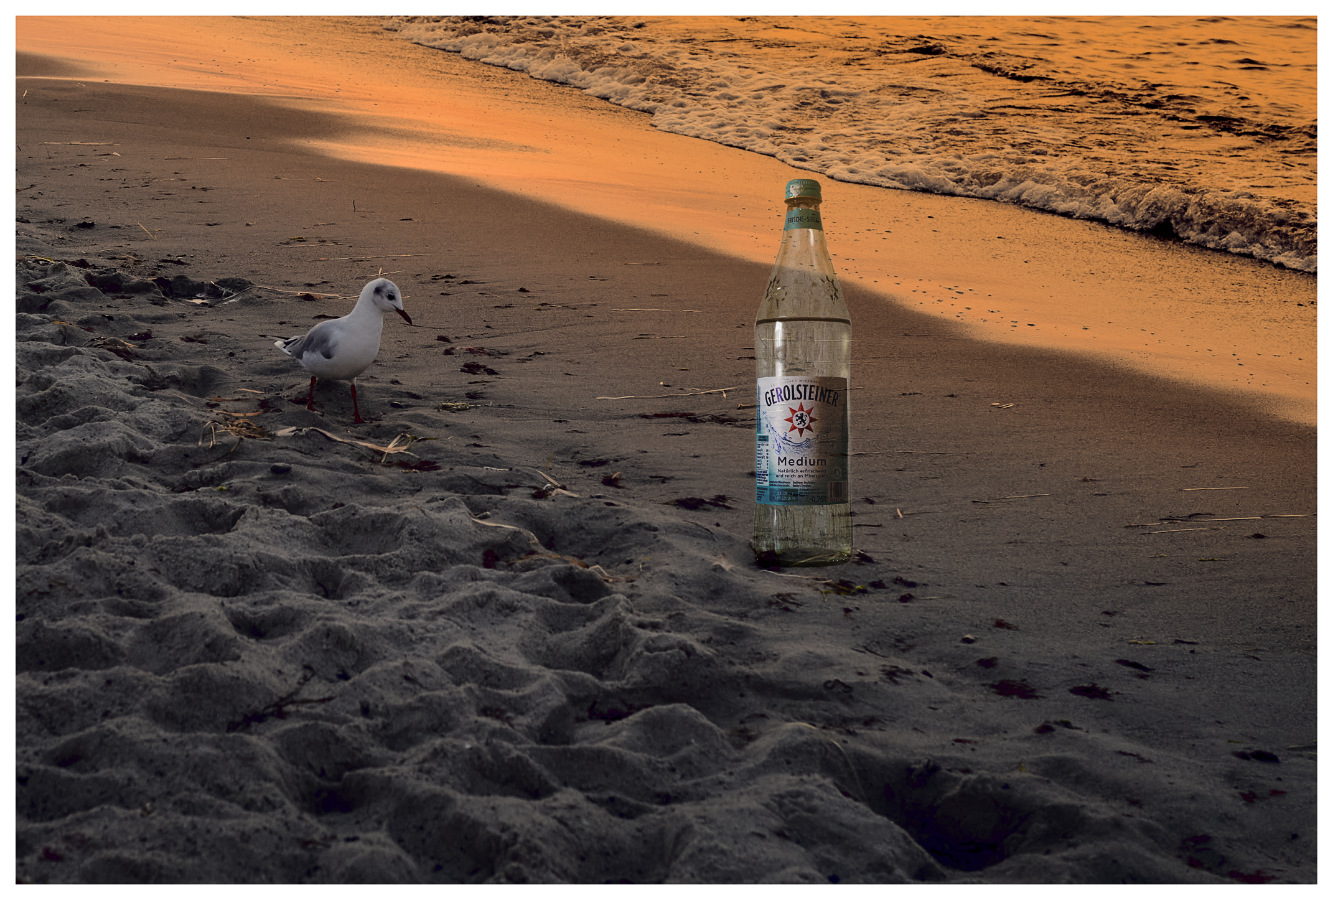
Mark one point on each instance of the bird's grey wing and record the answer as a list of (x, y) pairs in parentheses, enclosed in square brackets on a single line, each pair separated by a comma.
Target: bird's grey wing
[(319, 339)]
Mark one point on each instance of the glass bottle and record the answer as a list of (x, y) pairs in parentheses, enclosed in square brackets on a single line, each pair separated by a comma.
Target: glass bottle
[(802, 345)]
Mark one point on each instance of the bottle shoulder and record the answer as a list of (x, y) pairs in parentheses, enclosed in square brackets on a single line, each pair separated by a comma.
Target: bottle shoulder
[(802, 293), (803, 284)]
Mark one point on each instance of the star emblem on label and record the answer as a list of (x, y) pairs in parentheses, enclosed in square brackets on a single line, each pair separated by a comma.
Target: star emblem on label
[(800, 420)]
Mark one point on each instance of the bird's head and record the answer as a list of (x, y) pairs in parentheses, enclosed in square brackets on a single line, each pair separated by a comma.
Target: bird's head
[(386, 296)]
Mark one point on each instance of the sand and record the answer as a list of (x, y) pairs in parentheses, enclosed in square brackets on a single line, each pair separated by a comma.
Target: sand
[(511, 630)]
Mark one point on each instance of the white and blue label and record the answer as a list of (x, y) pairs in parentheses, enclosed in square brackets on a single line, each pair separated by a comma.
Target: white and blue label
[(801, 441)]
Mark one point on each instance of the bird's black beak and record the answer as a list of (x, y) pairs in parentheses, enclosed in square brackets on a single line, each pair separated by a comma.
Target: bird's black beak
[(404, 315)]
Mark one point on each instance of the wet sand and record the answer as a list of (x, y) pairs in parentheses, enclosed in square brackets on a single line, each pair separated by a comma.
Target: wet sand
[(1078, 644)]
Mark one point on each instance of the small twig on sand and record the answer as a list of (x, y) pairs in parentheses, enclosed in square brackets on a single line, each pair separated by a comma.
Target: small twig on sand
[(882, 452), (1172, 520), (278, 708), (364, 258), (535, 549), (1014, 497), (722, 391), (394, 448), (407, 440), (300, 293), (240, 429)]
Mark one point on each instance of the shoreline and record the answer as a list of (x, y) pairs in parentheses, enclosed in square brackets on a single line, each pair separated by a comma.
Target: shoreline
[(1005, 274), (1061, 625)]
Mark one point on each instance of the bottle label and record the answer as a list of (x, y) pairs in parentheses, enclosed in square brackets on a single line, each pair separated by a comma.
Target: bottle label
[(801, 441), (802, 218)]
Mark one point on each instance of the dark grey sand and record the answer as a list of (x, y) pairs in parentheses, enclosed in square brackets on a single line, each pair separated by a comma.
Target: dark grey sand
[(252, 645)]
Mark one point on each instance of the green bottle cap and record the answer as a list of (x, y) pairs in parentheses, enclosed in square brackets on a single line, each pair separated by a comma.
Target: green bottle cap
[(803, 187)]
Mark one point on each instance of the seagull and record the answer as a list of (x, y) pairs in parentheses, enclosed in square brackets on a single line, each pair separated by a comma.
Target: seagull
[(341, 349)]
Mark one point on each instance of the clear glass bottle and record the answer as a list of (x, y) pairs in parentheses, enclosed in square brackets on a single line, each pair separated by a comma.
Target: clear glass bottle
[(803, 339)]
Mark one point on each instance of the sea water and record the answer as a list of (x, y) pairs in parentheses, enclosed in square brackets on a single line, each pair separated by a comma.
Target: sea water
[(1196, 128)]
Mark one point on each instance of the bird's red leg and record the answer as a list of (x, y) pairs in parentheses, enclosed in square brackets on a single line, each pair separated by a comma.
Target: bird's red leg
[(356, 412), (310, 401)]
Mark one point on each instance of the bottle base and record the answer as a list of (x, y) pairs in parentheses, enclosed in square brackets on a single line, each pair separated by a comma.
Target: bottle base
[(800, 556)]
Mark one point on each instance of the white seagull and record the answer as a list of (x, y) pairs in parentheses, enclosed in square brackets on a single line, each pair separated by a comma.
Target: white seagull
[(341, 349)]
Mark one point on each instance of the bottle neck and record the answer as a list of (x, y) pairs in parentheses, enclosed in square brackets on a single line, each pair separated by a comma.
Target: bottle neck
[(802, 212)]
